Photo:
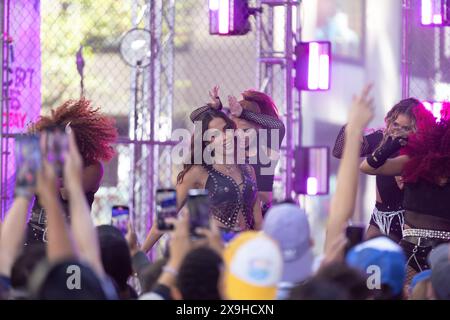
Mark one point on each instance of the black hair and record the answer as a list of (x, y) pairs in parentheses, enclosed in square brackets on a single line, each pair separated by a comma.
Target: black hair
[(115, 255), (53, 281), (25, 263), (317, 288), (205, 118), (351, 280), (199, 274)]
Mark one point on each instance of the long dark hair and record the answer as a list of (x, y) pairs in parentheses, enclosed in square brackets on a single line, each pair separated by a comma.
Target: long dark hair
[(205, 118)]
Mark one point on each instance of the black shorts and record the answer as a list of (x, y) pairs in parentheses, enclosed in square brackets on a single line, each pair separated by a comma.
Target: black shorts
[(417, 256), (395, 227)]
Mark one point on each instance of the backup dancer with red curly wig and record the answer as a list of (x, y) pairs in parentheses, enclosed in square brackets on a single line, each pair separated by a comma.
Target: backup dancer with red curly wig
[(404, 118), (94, 133), (425, 166)]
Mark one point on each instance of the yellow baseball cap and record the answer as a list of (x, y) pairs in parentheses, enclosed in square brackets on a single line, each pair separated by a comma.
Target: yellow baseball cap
[(254, 266)]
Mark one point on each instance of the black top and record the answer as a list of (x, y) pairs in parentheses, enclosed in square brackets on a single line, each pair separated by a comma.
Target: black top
[(428, 199), (390, 194), (38, 215), (228, 198), (264, 179)]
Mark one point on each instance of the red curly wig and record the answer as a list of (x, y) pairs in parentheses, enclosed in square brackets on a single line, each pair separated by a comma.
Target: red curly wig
[(94, 132), (429, 149)]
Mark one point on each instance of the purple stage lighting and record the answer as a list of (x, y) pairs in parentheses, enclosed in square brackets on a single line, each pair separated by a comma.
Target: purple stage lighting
[(435, 12), (229, 17), (311, 170), (313, 66)]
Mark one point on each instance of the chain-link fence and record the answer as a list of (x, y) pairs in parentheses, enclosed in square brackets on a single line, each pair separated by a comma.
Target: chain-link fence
[(90, 31), (428, 57)]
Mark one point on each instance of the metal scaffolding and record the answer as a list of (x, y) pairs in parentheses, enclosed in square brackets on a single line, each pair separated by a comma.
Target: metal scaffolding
[(275, 67), (151, 166), (4, 136), (406, 7)]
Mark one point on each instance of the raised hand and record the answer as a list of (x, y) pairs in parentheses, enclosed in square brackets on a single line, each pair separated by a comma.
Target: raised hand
[(235, 106), (180, 241), (213, 236), (47, 181), (73, 163), (361, 111), (214, 95), (132, 239)]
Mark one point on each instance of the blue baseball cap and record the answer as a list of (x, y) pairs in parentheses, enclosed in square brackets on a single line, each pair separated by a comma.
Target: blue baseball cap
[(385, 254), (421, 276), (288, 225)]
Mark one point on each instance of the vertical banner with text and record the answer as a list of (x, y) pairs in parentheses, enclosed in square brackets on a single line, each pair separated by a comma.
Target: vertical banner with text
[(23, 81)]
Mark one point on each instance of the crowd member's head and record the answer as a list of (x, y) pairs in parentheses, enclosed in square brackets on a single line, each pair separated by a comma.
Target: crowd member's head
[(439, 260), (439, 254), (150, 275), (211, 119), (68, 280), (253, 267), (440, 280), (5, 288), (288, 225), (116, 259), (350, 280), (383, 262), (94, 132), (200, 274), (317, 288), (23, 267)]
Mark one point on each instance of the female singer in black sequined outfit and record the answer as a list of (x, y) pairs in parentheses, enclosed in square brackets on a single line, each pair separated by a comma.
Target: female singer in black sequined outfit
[(255, 111), (232, 188)]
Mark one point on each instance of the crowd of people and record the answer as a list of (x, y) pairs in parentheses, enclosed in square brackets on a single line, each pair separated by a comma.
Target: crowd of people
[(252, 248)]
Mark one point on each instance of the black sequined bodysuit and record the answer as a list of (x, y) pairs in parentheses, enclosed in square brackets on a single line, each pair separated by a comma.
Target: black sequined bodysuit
[(228, 199)]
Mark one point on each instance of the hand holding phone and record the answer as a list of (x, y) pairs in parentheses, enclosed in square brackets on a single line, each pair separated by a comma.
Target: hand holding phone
[(120, 218), (199, 210), (28, 162), (57, 146), (166, 207)]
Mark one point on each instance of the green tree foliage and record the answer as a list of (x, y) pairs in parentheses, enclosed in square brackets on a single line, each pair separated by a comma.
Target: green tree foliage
[(97, 25)]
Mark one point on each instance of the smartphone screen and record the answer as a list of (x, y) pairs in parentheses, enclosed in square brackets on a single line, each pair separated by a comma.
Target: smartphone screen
[(198, 206), (120, 217), (57, 146), (355, 235), (166, 207), (28, 160)]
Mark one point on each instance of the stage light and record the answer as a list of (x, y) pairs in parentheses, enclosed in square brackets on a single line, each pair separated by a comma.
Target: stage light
[(229, 17), (434, 107), (311, 186), (435, 12), (313, 65), (311, 170)]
